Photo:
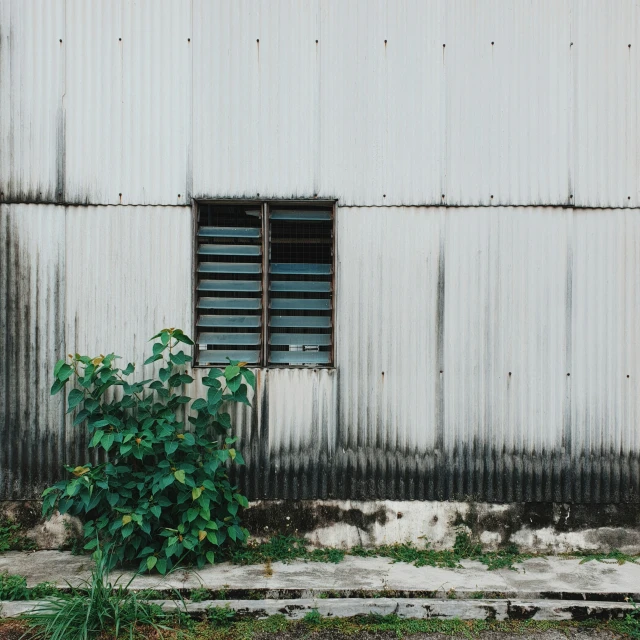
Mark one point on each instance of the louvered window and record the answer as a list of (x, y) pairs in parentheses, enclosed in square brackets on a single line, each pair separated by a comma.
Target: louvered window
[(229, 313), (265, 284)]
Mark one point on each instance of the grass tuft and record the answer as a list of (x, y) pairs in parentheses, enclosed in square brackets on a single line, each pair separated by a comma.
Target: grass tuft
[(95, 607)]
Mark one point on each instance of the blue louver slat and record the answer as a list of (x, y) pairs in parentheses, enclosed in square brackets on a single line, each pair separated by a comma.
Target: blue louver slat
[(308, 339), (229, 321), (228, 232), (220, 357), (229, 267), (310, 287), (308, 215), (307, 304), (300, 269), (229, 303), (229, 250), (318, 322), (230, 285), (299, 357), (229, 338)]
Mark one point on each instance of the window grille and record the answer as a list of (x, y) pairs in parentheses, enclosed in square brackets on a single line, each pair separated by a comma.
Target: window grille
[(283, 319)]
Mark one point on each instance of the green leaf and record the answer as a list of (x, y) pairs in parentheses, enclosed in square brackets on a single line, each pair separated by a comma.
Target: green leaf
[(164, 374), (74, 398), (179, 475), (231, 372), (181, 337), (57, 386), (214, 396), (171, 446), (65, 372), (81, 417), (199, 404), (151, 562), (186, 379), (192, 514), (107, 441), (234, 384), (249, 377), (164, 337), (156, 510), (56, 369), (129, 370), (153, 358), (158, 348), (162, 566), (210, 557), (225, 420), (241, 500), (113, 498), (179, 358), (189, 439)]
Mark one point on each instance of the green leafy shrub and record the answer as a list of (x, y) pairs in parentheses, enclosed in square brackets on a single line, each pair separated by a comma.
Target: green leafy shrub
[(163, 496)]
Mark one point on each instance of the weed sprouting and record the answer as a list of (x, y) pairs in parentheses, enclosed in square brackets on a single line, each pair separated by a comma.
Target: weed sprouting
[(12, 537)]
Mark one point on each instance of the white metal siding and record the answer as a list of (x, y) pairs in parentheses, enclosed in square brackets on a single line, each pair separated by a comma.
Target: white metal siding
[(128, 102), (159, 101), (32, 122)]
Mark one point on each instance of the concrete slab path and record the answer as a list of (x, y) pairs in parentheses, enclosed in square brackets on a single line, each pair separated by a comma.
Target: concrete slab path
[(538, 578)]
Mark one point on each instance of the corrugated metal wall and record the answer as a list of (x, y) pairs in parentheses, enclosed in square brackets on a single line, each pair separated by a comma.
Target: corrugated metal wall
[(383, 102), (490, 352), (482, 351)]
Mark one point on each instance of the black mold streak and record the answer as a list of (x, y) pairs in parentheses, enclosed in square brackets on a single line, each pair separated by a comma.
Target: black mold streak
[(287, 517), (437, 488), (61, 155)]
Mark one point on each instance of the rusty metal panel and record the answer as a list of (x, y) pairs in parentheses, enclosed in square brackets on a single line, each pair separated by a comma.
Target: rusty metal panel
[(32, 122), (32, 293), (128, 101), (606, 81)]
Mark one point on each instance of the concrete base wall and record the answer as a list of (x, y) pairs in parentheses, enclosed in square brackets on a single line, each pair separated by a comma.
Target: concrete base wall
[(534, 527)]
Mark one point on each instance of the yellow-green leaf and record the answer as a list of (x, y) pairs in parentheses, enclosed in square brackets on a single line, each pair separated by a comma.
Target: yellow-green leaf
[(196, 492), (179, 475), (126, 520)]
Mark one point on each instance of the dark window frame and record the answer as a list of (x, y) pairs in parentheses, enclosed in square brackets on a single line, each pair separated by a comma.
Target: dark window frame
[(265, 205)]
